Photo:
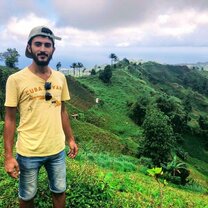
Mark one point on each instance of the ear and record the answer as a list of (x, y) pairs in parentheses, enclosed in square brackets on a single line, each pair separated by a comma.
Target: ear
[(29, 48)]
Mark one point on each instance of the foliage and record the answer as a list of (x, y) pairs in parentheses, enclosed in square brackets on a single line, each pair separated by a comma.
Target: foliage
[(4, 73), (106, 74), (174, 109), (176, 170), (84, 191), (58, 66), (10, 57), (169, 105), (158, 136), (93, 72), (113, 58), (1, 127), (75, 66), (203, 122), (137, 110), (156, 173), (124, 62), (118, 163), (1, 105), (104, 174)]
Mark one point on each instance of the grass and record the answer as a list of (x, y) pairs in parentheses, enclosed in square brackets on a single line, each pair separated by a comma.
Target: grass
[(104, 179), (106, 173)]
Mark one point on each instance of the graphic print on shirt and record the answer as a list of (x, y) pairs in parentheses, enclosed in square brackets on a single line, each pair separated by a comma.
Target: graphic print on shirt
[(34, 94)]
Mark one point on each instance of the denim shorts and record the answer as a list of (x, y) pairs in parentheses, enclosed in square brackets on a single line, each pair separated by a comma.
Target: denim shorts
[(29, 168)]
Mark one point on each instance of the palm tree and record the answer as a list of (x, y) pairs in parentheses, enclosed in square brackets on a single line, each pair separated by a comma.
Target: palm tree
[(58, 66), (74, 66), (113, 58), (84, 70), (79, 66), (174, 167)]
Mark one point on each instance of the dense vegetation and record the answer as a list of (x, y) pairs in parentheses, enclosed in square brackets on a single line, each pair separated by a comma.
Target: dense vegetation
[(148, 115)]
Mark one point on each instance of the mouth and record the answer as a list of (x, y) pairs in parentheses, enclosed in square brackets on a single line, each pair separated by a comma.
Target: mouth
[(43, 56)]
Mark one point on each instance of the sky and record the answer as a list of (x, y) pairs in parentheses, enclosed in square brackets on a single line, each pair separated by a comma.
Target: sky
[(165, 31)]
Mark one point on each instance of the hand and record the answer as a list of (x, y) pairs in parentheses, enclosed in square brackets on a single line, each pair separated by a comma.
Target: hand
[(73, 149), (12, 167)]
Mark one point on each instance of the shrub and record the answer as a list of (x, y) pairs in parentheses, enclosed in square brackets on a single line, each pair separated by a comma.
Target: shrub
[(158, 137), (106, 74), (87, 190), (1, 127), (177, 171)]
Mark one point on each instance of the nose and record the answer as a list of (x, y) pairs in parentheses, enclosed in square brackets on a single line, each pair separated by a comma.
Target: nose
[(43, 48)]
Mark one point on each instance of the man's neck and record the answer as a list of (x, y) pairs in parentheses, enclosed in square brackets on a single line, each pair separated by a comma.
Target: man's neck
[(42, 71)]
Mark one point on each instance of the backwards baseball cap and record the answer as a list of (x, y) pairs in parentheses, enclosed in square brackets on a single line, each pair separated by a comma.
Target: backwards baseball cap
[(42, 31)]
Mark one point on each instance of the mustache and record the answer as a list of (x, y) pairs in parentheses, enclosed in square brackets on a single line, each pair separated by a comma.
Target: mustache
[(42, 54)]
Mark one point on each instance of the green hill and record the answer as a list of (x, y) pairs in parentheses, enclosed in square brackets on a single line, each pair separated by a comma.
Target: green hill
[(107, 172), (129, 82)]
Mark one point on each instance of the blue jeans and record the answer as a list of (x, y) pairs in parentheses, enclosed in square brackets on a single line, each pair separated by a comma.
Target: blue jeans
[(29, 168)]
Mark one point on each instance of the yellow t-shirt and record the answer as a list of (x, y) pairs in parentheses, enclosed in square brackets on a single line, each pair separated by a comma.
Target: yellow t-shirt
[(40, 131)]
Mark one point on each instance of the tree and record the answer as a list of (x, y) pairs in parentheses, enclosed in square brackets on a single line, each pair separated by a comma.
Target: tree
[(58, 66), (10, 57), (113, 58), (174, 109), (125, 61), (138, 109), (79, 66), (83, 71), (176, 169), (137, 113), (74, 66), (1, 105), (158, 135), (106, 74), (203, 122), (93, 72)]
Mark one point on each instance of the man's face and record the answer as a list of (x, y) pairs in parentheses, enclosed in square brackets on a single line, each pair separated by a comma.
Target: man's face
[(41, 50)]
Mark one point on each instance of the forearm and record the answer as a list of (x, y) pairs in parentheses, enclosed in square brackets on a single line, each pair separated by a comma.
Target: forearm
[(9, 133), (66, 125), (68, 133), (10, 163)]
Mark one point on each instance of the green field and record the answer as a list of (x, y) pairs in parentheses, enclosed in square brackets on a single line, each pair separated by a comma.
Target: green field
[(107, 172)]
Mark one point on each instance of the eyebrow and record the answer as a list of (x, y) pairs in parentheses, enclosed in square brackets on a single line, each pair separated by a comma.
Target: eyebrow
[(46, 44)]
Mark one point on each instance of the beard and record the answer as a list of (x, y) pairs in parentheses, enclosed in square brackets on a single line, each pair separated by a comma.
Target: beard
[(41, 62)]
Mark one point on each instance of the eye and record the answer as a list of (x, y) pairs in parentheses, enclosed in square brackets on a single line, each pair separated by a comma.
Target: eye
[(48, 45), (37, 44)]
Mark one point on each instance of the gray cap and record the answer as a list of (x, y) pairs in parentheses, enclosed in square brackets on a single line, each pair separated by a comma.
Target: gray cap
[(40, 30)]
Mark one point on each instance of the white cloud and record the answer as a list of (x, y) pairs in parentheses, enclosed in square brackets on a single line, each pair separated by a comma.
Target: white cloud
[(104, 25), (179, 24), (72, 37), (17, 29), (20, 27), (123, 44)]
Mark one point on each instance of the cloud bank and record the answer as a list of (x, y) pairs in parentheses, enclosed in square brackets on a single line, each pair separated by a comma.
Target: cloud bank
[(124, 26)]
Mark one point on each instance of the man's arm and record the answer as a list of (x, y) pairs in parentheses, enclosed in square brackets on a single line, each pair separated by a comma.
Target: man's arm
[(11, 165), (68, 132)]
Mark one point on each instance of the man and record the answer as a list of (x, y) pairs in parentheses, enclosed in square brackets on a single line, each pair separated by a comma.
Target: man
[(38, 93)]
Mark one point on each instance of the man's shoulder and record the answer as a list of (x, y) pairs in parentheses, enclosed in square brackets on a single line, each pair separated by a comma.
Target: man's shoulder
[(19, 73), (58, 73)]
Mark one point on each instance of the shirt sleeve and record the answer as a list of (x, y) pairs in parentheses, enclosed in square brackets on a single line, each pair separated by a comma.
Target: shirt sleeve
[(11, 99), (65, 92)]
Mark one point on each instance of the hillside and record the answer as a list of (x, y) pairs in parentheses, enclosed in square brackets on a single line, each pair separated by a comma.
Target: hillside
[(107, 172), (127, 84)]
